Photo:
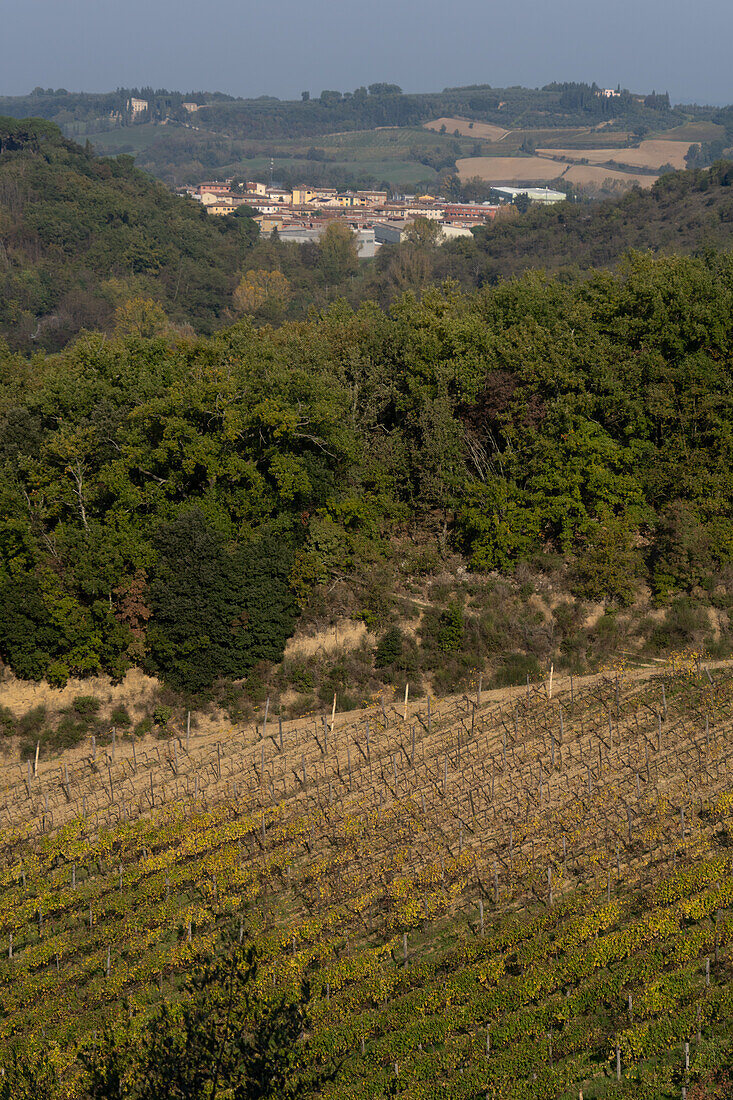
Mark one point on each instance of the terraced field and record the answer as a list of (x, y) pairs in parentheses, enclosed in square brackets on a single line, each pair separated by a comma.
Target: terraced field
[(513, 894)]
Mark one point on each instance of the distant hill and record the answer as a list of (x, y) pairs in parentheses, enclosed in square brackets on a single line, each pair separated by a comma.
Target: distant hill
[(186, 137), (381, 104), (80, 235), (683, 212)]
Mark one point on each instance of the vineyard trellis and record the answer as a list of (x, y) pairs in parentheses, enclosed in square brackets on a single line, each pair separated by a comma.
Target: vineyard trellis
[(359, 834)]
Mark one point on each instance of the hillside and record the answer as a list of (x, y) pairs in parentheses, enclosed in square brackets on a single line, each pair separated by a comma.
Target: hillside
[(83, 239), (682, 212), (180, 504), (185, 138), (80, 236), (519, 893)]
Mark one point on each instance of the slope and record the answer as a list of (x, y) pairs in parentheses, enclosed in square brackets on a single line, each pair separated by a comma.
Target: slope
[(682, 212), (514, 894), (80, 235)]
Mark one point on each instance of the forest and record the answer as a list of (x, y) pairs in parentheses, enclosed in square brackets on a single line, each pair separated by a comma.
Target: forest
[(176, 501)]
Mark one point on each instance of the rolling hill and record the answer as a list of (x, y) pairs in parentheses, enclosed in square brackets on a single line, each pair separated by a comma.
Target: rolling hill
[(81, 235)]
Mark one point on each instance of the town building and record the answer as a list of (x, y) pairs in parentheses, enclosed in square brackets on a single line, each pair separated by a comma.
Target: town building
[(544, 195)]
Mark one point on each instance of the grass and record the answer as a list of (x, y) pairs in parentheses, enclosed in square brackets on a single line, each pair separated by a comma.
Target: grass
[(131, 139)]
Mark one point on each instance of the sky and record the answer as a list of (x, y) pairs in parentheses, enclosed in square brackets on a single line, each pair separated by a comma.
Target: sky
[(283, 47)]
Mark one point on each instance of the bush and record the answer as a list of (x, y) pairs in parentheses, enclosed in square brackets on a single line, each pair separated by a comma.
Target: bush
[(162, 715), (450, 629), (7, 722), (389, 648), (120, 717), (32, 722), (68, 733), (685, 624), (300, 677), (86, 706), (515, 669)]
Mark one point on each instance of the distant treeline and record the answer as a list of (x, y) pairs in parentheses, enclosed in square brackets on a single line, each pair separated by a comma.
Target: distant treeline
[(381, 104), (173, 501)]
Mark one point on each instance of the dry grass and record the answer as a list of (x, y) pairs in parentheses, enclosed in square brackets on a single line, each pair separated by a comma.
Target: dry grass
[(137, 692), (510, 169), (479, 130), (346, 634), (586, 173), (649, 154)]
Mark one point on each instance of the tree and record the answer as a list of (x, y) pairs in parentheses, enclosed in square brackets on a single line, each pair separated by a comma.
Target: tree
[(338, 256), (385, 89), (216, 609), (140, 317), (424, 232), (224, 1039), (262, 292)]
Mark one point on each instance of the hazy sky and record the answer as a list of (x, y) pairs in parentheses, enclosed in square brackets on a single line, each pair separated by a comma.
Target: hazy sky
[(283, 47)]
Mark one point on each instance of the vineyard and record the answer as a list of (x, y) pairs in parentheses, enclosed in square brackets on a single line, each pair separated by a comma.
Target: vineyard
[(516, 894)]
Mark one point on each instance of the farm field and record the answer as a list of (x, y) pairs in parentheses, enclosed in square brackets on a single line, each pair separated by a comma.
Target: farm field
[(587, 174), (516, 892), (649, 154), (529, 170), (511, 169), (467, 128), (693, 131)]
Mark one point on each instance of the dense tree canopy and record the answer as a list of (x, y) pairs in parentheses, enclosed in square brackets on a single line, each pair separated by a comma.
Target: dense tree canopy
[(165, 498)]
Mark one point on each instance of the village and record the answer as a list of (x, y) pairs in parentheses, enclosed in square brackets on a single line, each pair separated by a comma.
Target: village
[(301, 215)]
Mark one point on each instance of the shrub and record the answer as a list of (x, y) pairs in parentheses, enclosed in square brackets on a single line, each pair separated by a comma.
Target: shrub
[(120, 717), (32, 721), (86, 706), (68, 733), (7, 722), (515, 669), (685, 623), (389, 648), (162, 715), (301, 678), (450, 629)]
